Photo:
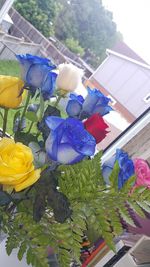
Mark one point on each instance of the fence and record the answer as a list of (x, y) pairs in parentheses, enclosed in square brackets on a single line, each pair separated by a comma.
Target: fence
[(23, 29), (54, 50), (10, 45)]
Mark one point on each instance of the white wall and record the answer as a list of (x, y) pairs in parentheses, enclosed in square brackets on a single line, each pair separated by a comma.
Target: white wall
[(12, 260), (126, 81)]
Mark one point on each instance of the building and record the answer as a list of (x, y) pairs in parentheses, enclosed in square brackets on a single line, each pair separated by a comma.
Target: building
[(5, 20), (125, 77)]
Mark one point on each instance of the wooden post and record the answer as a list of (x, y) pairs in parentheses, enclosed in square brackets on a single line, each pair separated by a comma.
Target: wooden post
[(5, 5)]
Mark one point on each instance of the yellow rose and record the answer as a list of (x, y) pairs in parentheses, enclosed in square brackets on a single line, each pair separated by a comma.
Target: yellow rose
[(10, 91), (16, 165)]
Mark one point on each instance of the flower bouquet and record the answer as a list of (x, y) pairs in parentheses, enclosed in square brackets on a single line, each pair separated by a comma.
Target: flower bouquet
[(52, 184)]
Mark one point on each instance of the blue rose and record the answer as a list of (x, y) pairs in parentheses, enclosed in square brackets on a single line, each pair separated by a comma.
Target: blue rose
[(38, 73), (74, 105), (126, 167), (68, 141), (95, 102)]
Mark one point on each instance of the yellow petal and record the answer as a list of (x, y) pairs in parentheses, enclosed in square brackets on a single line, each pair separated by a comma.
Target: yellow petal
[(13, 178), (5, 142), (32, 178), (10, 91)]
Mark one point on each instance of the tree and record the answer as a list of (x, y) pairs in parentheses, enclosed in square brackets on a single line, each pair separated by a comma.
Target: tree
[(74, 46), (88, 22), (84, 26), (40, 13)]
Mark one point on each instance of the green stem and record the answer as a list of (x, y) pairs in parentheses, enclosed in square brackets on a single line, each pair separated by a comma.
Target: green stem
[(31, 125), (57, 101), (25, 109), (5, 121), (41, 107)]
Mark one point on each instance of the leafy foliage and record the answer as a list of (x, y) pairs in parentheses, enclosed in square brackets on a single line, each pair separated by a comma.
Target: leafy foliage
[(84, 26), (89, 23), (74, 46), (102, 206), (40, 13), (60, 217)]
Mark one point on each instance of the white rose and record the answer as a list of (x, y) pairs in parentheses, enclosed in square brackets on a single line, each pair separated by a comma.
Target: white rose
[(69, 77)]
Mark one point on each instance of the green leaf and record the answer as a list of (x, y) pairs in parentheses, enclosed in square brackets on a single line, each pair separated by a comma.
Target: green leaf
[(9, 245), (25, 138), (126, 217), (39, 207), (134, 206), (128, 184), (29, 256), (140, 190), (114, 176), (144, 206), (22, 250), (31, 116), (78, 231)]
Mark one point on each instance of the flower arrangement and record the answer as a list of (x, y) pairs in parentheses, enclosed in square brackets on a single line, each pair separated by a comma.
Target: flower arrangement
[(52, 185)]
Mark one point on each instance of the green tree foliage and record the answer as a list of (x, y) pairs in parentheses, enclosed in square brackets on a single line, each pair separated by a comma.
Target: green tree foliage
[(74, 46), (88, 22), (40, 13), (79, 24)]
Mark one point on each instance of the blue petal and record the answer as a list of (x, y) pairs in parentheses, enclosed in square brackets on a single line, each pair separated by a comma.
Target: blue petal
[(73, 108), (110, 162), (81, 140), (108, 167), (68, 141), (122, 157), (78, 98), (89, 103), (94, 101), (31, 59), (106, 171), (27, 61), (128, 168), (67, 154), (88, 144), (53, 122), (77, 159), (120, 179), (102, 98), (36, 74), (102, 110), (49, 146), (48, 85)]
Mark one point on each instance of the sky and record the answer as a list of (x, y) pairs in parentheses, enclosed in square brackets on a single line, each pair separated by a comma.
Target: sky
[(133, 21)]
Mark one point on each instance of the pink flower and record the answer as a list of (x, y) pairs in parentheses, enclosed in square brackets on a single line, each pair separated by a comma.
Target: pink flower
[(142, 172)]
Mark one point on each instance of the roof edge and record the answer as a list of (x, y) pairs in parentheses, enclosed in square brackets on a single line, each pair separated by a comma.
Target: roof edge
[(109, 51)]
